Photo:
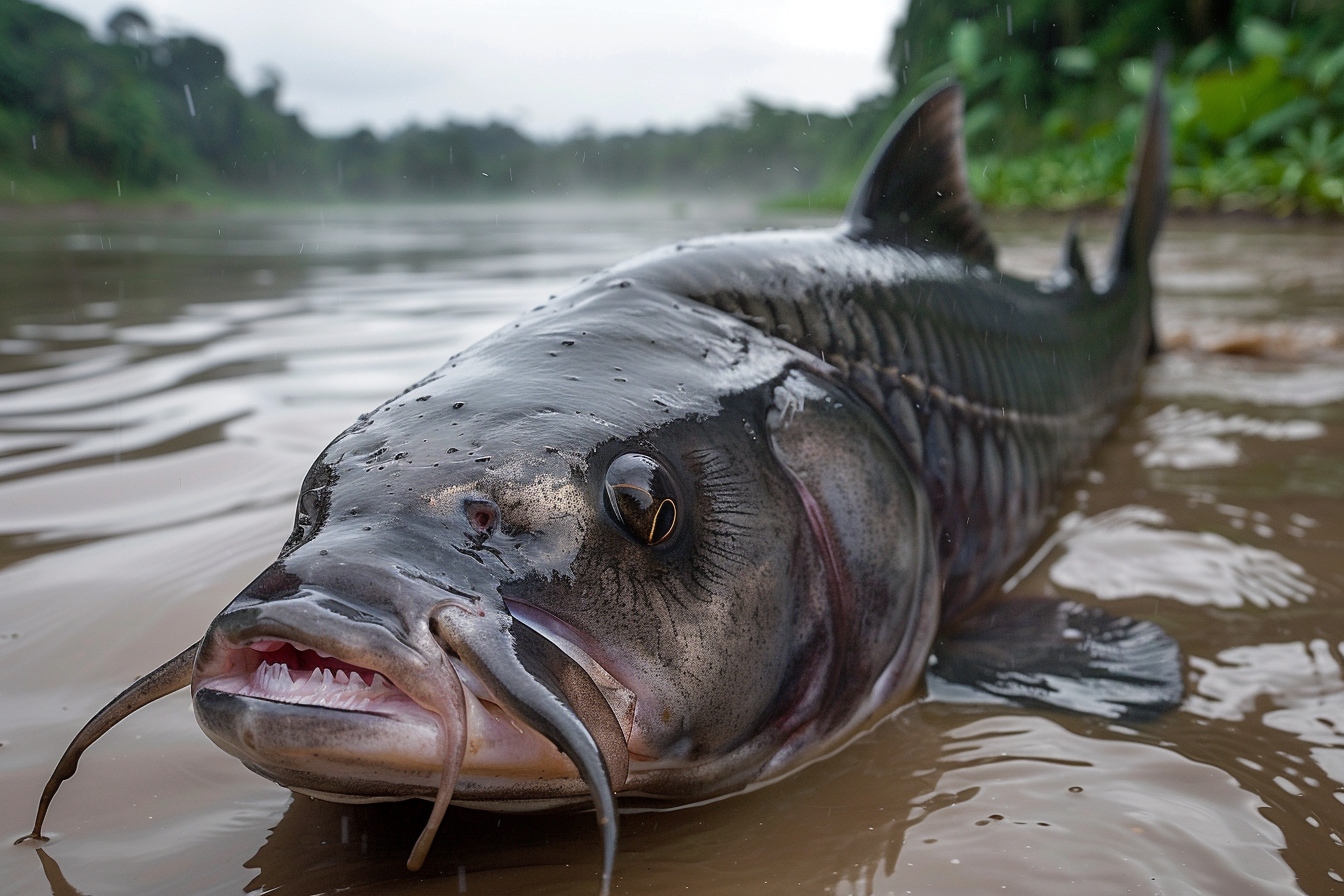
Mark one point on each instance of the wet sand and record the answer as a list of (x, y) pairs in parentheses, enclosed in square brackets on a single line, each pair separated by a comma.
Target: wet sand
[(165, 383)]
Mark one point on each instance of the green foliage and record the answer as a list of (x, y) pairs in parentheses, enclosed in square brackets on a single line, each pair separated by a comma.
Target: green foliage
[(1256, 92), (141, 113), (1054, 91), (116, 115), (1077, 62), (1262, 39)]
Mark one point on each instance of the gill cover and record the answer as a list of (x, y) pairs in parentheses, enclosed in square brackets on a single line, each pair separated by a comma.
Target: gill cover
[(869, 522)]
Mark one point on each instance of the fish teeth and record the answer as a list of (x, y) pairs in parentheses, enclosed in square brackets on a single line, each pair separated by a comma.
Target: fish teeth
[(340, 689)]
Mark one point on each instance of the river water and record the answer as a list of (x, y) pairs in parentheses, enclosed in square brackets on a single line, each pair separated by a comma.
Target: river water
[(166, 380)]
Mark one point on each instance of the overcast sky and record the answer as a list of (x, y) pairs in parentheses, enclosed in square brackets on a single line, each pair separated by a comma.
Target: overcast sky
[(550, 67)]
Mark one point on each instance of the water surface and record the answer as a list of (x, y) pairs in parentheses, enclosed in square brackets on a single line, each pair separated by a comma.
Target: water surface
[(165, 382)]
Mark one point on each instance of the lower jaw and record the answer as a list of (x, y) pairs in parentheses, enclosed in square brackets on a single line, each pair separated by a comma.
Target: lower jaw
[(362, 756)]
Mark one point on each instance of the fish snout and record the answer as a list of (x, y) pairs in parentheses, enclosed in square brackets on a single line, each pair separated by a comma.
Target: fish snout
[(317, 615), (336, 677), (316, 694)]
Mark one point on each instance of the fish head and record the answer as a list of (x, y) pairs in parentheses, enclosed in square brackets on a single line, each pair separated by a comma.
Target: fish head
[(605, 547)]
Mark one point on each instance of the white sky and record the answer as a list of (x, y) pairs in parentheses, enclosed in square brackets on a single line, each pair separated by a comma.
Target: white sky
[(548, 66)]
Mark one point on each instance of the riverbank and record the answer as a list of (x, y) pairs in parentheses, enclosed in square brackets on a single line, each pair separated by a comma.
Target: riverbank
[(789, 207)]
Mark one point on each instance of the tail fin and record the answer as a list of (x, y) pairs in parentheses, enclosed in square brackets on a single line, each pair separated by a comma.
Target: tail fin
[(1146, 202)]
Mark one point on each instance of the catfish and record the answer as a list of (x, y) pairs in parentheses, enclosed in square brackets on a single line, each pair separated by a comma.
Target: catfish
[(701, 519)]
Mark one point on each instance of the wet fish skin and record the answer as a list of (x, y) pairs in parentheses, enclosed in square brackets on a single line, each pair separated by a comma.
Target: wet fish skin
[(744, 596), (967, 397), (997, 389)]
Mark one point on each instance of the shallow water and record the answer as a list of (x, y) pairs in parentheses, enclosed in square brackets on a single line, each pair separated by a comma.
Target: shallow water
[(165, 382)]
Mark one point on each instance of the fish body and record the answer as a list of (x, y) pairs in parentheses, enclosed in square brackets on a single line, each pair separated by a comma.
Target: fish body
[(995, 389), (697, 521)]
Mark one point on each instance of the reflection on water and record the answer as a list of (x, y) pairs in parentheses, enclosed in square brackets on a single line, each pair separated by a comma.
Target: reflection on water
[(1128, 552), (1191, 438), (164, 383), (1063, 813), (1242, 381)]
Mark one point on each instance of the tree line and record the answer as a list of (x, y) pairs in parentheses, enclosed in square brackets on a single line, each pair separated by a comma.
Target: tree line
[(1053, 90)]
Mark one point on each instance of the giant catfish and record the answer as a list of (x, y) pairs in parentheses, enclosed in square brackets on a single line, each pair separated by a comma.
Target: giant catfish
[(701, 519)]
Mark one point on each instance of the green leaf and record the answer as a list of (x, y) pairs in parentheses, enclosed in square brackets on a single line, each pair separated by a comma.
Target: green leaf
[(966, 47), (1077, 61), (1325, 70), (980, 117), (1202, 57), (1278, 121), (1229, 103), (1137, 75), (1262, 38), (1061, 124)]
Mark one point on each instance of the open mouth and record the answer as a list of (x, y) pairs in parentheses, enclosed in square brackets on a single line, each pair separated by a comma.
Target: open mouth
[(281, 671), (285, 672), (306, 712)]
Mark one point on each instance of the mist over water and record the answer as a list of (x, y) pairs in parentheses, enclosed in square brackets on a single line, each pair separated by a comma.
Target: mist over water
[(165, 382)]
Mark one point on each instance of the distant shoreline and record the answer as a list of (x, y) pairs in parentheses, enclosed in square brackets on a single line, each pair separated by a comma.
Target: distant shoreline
[(177, 209)]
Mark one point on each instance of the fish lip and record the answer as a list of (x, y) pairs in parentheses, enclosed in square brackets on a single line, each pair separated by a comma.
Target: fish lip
[(307, 622), (289, 671), (354, 754)]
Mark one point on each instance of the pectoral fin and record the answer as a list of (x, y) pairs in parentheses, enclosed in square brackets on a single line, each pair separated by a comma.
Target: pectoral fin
[(1059, 654)]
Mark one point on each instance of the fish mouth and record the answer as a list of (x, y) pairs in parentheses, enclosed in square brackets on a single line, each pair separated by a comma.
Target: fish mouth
[(285, 671), (339, 729), (469, 704)]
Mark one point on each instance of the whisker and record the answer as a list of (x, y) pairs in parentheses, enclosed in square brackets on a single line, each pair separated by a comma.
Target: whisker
[(452, 715)]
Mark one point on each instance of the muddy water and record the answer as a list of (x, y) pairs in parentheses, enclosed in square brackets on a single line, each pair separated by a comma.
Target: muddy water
[(165, 382)]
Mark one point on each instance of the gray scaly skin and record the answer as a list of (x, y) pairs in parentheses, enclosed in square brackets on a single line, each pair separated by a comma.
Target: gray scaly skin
[(997, 389), (698, 521)]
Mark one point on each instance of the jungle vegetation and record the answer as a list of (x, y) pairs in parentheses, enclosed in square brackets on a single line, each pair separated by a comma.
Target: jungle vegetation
[(1053, 97), (1055, 87)]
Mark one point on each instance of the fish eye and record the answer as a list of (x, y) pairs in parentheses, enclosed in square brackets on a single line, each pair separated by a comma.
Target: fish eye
[(306, 518), (638, 495)]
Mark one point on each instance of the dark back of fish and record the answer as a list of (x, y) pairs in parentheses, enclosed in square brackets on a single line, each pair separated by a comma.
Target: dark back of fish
[(998, 389)]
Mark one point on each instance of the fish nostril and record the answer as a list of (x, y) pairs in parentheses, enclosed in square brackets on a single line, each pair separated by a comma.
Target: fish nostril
[(482, 515), (275, 583)]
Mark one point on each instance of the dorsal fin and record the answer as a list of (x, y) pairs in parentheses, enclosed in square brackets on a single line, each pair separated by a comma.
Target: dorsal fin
[(914, 191)]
